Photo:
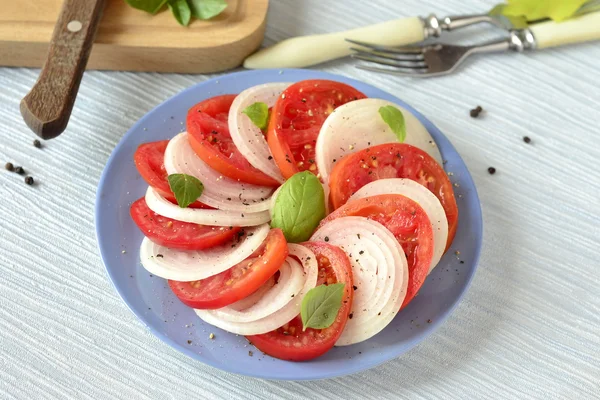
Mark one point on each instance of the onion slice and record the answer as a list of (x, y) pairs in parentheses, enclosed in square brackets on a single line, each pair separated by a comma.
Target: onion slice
[(424, 197), (163, 207), (247, 137), (284, 314), (220, 191), (291, 281), (252, 299), (186, 266), (357, 125), (380, 273)]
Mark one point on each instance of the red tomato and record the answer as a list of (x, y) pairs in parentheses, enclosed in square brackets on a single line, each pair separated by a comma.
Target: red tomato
[(149, 161), (297, 118), (209, 137), (291, 343), (176, 234), (408, 222), (238, 281), (394, 160)]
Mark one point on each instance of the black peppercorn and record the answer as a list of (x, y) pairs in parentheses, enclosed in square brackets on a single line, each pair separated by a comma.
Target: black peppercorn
[(19, 170), (474, 113), (29, 180), (492, 170), (9, 166), (37, 143), (526, 139)]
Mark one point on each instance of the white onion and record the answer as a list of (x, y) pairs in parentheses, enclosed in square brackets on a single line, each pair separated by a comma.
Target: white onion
[(283, 315), (252, 299), (380, 272), (291, 281), (424, 197), (193, 265), (163, 207), (248, 138), (219, 191), (357, 125)]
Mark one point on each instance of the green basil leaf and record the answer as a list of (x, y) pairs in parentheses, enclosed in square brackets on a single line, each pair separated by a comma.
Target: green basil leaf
[(206, 9), (395, 119), (151, 6), (299, 207), (320, 306), (258, 114), (181, 11), (186, 188)]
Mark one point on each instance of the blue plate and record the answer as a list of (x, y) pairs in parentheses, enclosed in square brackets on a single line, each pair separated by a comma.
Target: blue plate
[(155, 305)]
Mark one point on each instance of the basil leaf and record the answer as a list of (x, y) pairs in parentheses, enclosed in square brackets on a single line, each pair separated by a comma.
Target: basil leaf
[(395, 120), (186, 188), (299, 207), (320, 306), (206, 9), (181, 11), (151, 6), (258, 114)]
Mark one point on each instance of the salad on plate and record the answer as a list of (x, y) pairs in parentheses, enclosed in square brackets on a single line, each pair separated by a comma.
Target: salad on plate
[(300, 215)]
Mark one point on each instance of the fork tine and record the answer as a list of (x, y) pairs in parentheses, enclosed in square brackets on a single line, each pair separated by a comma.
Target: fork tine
[(409, 72), (415, 58), (391, 62), (388, 49)]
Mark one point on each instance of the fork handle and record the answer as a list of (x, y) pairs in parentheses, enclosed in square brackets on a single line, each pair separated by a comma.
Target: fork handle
[(576, 30), (304, 51)]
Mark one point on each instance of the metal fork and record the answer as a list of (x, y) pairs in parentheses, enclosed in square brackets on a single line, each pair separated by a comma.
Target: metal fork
[(435, 59)]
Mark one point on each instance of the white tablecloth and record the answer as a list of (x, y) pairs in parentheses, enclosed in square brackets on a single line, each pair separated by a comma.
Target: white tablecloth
[(528, 328)]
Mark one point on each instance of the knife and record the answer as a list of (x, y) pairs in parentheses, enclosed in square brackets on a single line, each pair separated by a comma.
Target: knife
[(304, 51), (47, 107)]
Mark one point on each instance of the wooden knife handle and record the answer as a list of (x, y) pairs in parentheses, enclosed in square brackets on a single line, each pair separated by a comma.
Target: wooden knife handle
[(47, 107)]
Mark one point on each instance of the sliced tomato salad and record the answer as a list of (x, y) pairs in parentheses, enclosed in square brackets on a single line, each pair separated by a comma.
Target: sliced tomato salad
[(149, 161), (210, 139), (395, 160), (291, 342), (177, 234), (408, 222), (237, 282), (296, 120), (257, 295)]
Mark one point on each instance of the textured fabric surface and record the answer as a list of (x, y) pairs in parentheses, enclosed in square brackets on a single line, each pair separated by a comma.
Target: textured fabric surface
[(528, 328)]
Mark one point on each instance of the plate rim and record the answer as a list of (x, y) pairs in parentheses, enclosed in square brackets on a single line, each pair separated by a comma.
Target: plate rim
[(353, 367)]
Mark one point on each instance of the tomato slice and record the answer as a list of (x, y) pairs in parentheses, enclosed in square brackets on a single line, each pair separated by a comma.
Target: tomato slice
[(291, 343), (149, 161), (176, 234), (238, 281), (297, 118), (209, 137), (408, 222), (394, 160)]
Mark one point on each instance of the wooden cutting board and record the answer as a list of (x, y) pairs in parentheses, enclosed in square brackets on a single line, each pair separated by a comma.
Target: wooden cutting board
[(132, 40)]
